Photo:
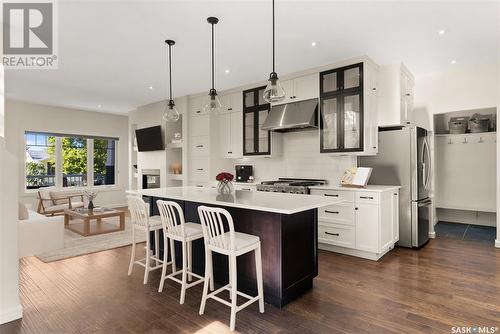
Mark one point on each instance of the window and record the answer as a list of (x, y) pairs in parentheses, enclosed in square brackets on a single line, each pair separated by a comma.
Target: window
[(69, 161), (40, 160), (104, 162), (74, 161)]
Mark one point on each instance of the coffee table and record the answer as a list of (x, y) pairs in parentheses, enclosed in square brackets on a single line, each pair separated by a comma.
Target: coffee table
[(86, 228)]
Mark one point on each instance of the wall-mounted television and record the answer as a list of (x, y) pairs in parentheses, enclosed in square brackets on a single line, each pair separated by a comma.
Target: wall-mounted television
[(149, 139)]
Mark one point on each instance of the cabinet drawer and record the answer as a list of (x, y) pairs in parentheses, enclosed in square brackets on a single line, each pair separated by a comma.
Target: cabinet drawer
[(244, 187), (339, 214), (339, 235), (200, 146), (199, 170), (367, 197), (343, 195), (200, 125)]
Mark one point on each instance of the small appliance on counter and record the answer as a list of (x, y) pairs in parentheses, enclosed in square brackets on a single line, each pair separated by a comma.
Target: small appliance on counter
[(244, 173)]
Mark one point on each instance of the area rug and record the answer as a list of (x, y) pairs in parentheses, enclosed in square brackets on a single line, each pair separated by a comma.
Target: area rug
[(75, 244)]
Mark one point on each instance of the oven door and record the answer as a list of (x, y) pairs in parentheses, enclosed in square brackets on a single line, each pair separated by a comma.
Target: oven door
[(420, 222)]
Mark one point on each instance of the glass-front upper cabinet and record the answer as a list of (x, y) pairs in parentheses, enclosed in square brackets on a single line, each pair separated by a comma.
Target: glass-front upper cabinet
[(341, 121), (255, 110)]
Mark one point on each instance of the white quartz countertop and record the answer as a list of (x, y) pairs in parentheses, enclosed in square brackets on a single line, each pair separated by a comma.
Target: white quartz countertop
[(370, 187), (253, 200)]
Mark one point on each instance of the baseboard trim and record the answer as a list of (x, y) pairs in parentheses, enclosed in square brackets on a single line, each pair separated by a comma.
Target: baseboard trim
[(354, 252), (432, 235), (11, 314), (497, 243)]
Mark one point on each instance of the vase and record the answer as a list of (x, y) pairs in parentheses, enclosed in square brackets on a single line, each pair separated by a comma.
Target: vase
[(225, 187)]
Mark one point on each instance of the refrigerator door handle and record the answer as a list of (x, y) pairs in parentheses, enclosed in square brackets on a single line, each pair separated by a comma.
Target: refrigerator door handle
[(429, 168)]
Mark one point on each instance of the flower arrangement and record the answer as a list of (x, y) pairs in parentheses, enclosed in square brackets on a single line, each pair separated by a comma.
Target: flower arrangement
[(91, 194), (225, 186)]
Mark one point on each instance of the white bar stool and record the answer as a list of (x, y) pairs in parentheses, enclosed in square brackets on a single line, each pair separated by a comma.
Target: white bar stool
[(176, 229), (232, 244), (143, 222)]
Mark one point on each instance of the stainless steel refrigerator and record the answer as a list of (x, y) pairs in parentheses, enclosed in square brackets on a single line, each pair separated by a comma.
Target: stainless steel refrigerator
[(404, 159)]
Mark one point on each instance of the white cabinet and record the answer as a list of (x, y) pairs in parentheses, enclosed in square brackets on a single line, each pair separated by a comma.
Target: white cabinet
[(200, 146), (302, 88), (244, 186), (196, 105), (230, 135), (395, 95), (231, 102), (364, 224), (200, 125)]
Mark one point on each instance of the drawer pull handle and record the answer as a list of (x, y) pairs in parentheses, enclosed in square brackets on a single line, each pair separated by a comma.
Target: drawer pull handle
[(331, 195), (199, 168), (366, 197), (199, 146), (198, 111), (335, 234), (248, 189), (328, 211), (230, 108), (230, 152), (199, 185)]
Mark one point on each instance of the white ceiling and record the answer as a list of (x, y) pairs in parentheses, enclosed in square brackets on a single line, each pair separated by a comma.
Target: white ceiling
[(110, 52)]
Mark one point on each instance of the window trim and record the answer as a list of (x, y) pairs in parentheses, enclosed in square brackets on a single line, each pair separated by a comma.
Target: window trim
[(59, 161)]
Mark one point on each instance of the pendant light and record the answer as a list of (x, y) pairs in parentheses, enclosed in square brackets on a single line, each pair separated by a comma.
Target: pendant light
[(213, 104), (274, 92), (171, 113)]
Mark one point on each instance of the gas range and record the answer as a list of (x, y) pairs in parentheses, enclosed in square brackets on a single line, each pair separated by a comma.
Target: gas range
[(289, 185)]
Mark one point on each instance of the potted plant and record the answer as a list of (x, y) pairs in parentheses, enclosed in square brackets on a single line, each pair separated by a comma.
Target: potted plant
[(225, 186)]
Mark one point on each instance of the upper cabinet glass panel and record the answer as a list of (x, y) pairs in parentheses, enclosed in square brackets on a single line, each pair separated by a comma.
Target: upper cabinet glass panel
[(352, 122), (352, 78), (330, 82), (249, 99)]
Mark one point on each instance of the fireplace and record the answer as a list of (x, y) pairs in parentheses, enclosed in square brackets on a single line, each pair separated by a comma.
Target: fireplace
[(150, 178)]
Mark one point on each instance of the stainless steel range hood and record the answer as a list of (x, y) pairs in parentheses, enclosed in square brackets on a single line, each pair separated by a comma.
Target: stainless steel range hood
[(293, 116)]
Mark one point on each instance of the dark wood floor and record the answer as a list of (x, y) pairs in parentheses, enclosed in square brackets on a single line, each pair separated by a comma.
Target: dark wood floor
[(448, 283)]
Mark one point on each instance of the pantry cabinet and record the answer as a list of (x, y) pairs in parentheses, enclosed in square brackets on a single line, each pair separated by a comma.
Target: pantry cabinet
[(396, 95), (232, 102), (348, 109), (364, 224), (301, 88), (230, 134)]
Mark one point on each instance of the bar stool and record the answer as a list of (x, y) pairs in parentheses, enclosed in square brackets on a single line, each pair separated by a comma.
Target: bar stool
[(232, 244), (143, 222), (176, 229)]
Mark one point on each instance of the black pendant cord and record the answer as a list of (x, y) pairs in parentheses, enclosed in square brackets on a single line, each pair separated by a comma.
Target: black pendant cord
[(213, 57), (274, 44), (170, 69)]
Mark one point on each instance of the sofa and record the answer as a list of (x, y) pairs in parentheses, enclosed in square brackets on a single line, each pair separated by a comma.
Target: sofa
[(39, 234)]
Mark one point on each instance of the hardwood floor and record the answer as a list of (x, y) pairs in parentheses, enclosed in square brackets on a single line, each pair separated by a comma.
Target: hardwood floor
[(447, 283)]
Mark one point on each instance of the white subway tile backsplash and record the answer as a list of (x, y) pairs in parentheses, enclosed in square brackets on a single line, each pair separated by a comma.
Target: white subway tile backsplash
[(301, 158)]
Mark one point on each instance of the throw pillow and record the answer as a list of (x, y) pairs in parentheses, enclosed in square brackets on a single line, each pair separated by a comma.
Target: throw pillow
[(23, 212)]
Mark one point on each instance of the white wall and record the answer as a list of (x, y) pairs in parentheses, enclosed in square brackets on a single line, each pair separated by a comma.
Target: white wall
[(22, 116), (301, 158), (459, 88), (10, 307)]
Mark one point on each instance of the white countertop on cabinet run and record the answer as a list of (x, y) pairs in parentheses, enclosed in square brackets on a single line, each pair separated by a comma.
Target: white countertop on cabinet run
[(252, 200), (370, 187)]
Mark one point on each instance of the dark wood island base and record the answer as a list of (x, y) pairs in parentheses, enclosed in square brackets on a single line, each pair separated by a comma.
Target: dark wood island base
[(289, 251)]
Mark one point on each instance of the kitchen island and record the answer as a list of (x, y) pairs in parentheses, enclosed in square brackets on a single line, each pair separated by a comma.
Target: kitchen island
[(287, 225)]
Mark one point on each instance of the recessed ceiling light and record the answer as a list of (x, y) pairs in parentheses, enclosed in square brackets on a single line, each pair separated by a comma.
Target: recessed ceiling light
[(442, 31), (150, 87), (313, 44), (227, 71), (99, 106), (453, 62)]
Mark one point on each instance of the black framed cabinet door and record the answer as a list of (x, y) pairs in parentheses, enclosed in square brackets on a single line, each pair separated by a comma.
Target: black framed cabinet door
[(341, 104), (255, 110)]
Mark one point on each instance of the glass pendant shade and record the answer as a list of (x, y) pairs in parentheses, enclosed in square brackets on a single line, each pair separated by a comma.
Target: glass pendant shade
[(213, 104), (274, 92), (171, 113)]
